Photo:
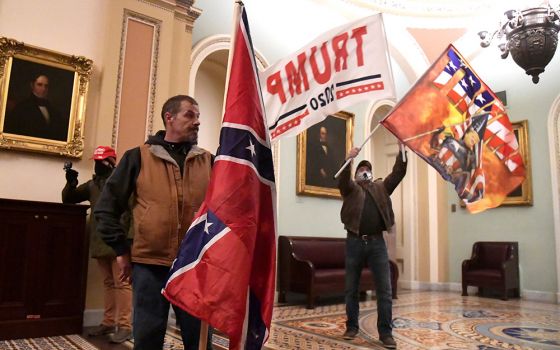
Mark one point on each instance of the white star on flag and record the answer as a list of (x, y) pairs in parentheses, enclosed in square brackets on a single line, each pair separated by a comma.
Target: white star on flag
[(480, 99), (251, 148), (206, 226)]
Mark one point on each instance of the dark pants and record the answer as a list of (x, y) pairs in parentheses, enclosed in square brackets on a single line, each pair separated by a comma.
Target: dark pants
[(151, 309), (374, 252)]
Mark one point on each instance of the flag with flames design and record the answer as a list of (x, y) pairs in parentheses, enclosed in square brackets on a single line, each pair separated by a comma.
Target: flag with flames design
[(452, 120)]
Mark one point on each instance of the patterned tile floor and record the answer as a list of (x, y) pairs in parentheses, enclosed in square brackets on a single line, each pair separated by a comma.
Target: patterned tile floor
[(66, 342), (424, 320)]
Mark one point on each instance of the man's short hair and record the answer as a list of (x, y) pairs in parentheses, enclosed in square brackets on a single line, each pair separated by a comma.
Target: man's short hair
[(173, 104), (36, 76)]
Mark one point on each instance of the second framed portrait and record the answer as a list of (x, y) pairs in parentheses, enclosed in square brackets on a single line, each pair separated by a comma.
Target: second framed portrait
[(321, 151), (523, 194)]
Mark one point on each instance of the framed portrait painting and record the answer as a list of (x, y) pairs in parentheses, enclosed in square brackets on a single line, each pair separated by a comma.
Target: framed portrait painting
[(42, 99), (321, 151), (523, 194)]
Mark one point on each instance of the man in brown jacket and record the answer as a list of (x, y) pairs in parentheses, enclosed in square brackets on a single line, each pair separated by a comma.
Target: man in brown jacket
[(366, 213), (167, 178)]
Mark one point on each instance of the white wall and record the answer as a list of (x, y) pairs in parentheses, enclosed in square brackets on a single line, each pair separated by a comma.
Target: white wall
[(210, 78), (38, 176), (278, 31), (532, 226), (275, 36)]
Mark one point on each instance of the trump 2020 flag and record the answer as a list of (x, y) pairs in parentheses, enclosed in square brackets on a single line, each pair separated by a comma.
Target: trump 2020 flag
[(343, 66), (452, 120), (224, 273)]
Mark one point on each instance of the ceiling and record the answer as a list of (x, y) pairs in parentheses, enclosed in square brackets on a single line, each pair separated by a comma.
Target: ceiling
[(441, 8)]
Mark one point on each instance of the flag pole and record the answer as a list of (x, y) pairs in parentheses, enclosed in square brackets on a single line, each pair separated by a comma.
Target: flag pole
[(360, 148), (237, 5), (203, 338)]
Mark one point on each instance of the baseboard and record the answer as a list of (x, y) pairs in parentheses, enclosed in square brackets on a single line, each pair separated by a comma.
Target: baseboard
[(536, 295), (531, 295), (434, 286), (93, 317)]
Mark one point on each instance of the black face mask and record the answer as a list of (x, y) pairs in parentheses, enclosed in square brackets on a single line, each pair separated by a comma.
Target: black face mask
[(102, 170)]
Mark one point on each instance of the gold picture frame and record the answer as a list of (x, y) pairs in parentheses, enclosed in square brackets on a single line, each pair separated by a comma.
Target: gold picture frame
[(522, 195), (42, 99), (321, 150)]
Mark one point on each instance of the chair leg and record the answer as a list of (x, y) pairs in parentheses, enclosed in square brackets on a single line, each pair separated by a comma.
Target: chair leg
[(465, 294), (282, 296), (505, 294), (310, 301)]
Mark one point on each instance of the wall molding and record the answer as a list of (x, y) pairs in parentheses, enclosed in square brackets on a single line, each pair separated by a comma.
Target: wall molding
[(156, 24), (530, 295), (410, 208), (554, 152), (93, 317), (206, 47)]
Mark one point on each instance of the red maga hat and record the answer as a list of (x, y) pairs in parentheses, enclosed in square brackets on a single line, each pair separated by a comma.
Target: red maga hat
[(103, 152)]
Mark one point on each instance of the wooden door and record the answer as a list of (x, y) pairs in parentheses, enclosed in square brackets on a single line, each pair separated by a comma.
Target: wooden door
[(384, 149)]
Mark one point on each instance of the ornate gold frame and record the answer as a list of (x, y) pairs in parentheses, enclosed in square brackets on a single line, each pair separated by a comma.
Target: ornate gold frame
[(521, 129), (302, 187), (81, 68)]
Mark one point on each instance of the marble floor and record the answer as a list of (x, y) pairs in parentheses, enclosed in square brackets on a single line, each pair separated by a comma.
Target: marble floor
[(424, 320)]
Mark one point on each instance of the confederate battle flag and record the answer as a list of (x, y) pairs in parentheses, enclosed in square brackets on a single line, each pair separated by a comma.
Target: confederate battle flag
[(452, 120), (224, 273)]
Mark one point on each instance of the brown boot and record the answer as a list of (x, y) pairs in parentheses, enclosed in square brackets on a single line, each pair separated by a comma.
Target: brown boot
[(350, 334), (388, 342)]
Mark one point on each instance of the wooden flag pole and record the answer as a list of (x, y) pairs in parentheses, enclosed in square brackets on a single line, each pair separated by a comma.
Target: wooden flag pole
[(360, 148), (203, 340)]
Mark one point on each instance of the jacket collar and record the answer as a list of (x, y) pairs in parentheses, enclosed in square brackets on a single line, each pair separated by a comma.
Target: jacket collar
[(160, 152)]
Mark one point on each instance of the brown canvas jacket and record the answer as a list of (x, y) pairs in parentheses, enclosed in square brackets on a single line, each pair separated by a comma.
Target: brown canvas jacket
[(163, 202), (166, 202)]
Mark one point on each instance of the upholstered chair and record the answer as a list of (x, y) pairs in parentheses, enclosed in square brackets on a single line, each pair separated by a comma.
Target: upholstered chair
[(493, 265)]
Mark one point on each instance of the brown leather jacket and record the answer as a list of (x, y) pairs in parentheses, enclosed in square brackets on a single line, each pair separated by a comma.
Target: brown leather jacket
[(354, 195)]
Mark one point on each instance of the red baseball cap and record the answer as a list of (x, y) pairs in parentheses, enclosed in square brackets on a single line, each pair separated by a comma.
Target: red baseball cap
[(103, 152)]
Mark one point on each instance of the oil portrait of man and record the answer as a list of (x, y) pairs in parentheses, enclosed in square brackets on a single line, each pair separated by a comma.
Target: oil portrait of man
[(39, 101), (325, 150)]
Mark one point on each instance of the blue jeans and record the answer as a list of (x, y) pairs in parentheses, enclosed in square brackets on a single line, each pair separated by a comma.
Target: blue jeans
[(374, 252), (151, 309)]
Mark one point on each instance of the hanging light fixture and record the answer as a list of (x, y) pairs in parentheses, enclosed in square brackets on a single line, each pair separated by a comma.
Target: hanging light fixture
[(531, 36)]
